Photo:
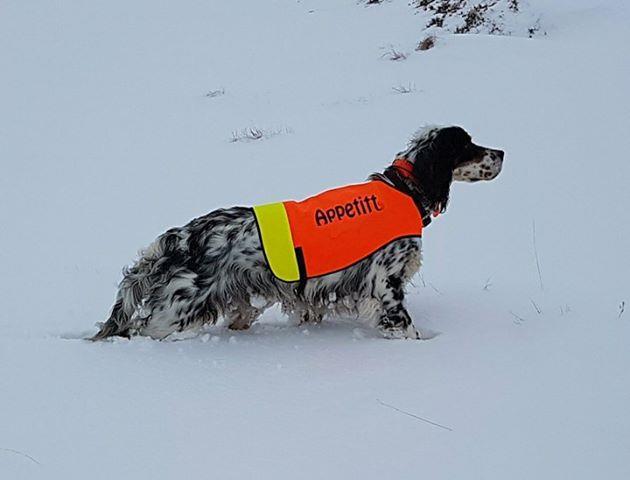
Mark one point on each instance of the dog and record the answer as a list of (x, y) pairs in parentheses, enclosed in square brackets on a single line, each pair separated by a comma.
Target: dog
[(215, 266)]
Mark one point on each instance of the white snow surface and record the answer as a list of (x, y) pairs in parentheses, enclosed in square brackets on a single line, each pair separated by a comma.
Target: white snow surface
[(107, 138)]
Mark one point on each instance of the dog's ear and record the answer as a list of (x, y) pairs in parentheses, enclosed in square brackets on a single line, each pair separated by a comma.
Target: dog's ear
[(435, 162), (449, 144)]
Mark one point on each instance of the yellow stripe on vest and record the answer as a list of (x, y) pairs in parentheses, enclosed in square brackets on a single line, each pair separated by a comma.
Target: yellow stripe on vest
[(275, 234)]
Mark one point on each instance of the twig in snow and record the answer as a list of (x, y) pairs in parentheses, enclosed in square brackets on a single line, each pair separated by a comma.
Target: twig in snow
[(622, 308), (414, 416), (538, 310), (215, 93), (536, 255), (402, 89), (517, 320), (488, 285), (426, 282), (22, 454), (247, 134), (434, 288), (252, 134)]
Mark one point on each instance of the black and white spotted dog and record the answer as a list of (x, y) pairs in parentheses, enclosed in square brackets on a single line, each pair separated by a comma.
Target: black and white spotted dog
[(214, 266)]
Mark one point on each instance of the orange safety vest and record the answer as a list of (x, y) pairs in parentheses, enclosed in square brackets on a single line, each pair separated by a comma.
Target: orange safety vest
[(334, 229)]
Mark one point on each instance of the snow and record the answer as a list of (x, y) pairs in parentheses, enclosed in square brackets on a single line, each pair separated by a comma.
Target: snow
[(107, 138)]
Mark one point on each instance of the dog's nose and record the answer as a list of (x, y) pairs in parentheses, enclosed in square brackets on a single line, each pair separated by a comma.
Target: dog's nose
[(501, 154)]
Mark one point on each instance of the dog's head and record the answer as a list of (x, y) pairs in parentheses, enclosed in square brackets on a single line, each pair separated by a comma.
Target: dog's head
[(442, 154)]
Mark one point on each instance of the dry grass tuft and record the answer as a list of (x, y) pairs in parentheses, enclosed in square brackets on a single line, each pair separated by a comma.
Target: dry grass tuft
[(215, 93), (252, 134), (394, 55), (403, 89), (427, 44)]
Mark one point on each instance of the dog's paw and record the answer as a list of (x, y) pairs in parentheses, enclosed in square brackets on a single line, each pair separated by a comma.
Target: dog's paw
[(239, 325), (402, 333), (310, 318)]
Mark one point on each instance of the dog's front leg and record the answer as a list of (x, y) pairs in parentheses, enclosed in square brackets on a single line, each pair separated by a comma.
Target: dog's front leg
[(396, 323), (302, 315), (394, 320)]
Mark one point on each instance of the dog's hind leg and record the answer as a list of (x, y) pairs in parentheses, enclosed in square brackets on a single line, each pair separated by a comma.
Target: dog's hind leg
[(242, 317), (308, 314), (310, 317)]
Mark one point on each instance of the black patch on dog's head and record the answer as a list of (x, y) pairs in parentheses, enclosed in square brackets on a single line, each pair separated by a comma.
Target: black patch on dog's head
[(436, 154)]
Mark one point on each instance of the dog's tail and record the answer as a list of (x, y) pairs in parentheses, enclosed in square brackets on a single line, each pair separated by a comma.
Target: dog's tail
[(116, 325), (127, 313), (129, 299)]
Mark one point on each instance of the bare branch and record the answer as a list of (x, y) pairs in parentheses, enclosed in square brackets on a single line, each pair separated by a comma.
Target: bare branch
[(414, 416), (22, 454), (434, 288), (538, 310), (517, 320)]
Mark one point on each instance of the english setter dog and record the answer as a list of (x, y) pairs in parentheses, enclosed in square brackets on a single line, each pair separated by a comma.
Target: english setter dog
[(214, 266)]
